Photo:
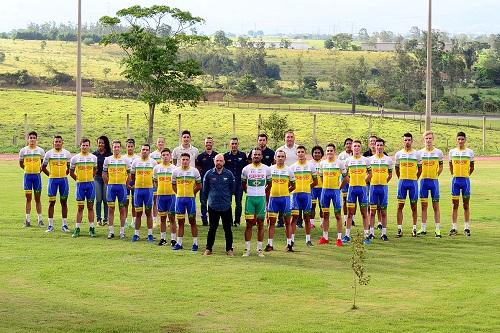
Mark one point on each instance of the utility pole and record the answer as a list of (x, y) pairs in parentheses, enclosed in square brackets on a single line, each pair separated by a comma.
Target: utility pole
[(79, 77), (428, 84)]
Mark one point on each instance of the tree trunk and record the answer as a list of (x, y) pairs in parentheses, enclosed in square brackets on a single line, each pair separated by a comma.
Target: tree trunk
[(151, 119), (353, 101)]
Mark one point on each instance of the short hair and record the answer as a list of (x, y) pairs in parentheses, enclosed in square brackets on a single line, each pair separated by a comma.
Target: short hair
[(219, 155), (372, 136), (279, 151), (318, 148), (301, 147), (132, 141), (381, 140), (33, 133), (160, 138), (58, 137), (347, 140), (186, 132), (185, 155), (427, 133), (209, 138), (146, 145), (262, 135), (83, 140), (461, 134), (330, 145), (357, 141), (234, 138), (117, 141), (255, 148), (165, 150), (407, 135)]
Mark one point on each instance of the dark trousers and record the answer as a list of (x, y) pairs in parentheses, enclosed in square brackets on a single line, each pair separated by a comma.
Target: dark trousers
[(238, 197), (203, 207), (213, 217)]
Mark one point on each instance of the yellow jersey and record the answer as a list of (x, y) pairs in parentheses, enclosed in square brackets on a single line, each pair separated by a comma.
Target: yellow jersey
[(143, 171), (83, 165), (431, 160), (330, 172), (117, 168), (156, 155), (32, 159), (358, 168), (381, 168), (280, 180), (408, 162), (185, 180), (461, 160), (317, 165), (57, 162), (305, 173), (162, 174)]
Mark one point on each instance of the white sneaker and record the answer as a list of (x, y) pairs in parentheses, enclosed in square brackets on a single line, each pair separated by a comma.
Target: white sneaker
[(50, 229), (122, 236), (260, 253), (64, 228), (246, 253)]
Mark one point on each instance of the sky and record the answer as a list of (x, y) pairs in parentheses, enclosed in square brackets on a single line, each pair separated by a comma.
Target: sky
[(279, 16)]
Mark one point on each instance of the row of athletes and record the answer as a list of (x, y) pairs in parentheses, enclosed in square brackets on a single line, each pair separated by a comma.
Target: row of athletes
[(258, 179)]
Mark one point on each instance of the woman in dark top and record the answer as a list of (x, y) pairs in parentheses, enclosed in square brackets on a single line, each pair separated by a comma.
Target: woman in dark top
[(103, 151)]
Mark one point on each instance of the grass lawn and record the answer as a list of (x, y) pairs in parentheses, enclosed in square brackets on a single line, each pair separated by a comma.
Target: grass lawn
[(53, 283)]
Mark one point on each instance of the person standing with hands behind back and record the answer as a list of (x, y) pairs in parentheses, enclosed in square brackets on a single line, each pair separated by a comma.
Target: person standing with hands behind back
[(103, 151)]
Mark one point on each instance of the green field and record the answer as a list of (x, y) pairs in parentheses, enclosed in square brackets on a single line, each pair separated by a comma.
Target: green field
[(51, 114), (53, 283)]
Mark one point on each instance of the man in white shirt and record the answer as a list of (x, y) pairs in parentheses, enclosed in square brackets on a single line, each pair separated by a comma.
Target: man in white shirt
[(290, 148), (185, 147)]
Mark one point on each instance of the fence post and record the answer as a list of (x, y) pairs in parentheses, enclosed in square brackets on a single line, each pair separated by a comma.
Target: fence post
[(315, 139), (370, 124), (234, 124), (259, 124), (484, 133), (179, 130), (128, 125), (25, 127), (14, 140)]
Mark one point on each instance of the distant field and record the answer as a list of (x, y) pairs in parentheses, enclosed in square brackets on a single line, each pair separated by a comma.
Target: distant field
[(53, 283), (51, 114)]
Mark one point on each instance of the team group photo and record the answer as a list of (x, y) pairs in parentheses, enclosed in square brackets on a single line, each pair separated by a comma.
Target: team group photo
[(190, 166)]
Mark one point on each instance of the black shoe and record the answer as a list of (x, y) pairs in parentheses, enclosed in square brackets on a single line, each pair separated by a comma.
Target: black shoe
[(384, 238), (162, 242), (204, 222), (467, 232), (111, 236), (309, 244), (400, 233), (105, 222), (379, 226), (453, 232), (414, 233), (353, 224), (293, 243), (289, 248), (173, 242), (371, 236), (269, 248), (299, 225)]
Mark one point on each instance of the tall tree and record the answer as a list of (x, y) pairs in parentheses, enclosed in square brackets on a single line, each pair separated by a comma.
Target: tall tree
[(152, 62), (221, 39), (354, 75)]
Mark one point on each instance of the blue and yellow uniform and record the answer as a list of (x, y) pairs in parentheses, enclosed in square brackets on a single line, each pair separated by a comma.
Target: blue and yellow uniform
[(130, 192), (143, 185), (84, 166), (162, 174), (57, 162), (316, 190), (185, 180), (381, 169), (305, 174), (32, 158), (358, 168), (156, 155), (461, 161), (431, 161), (343, 156), (408, 162), (118, 169), (330, 172), (279, 198)]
